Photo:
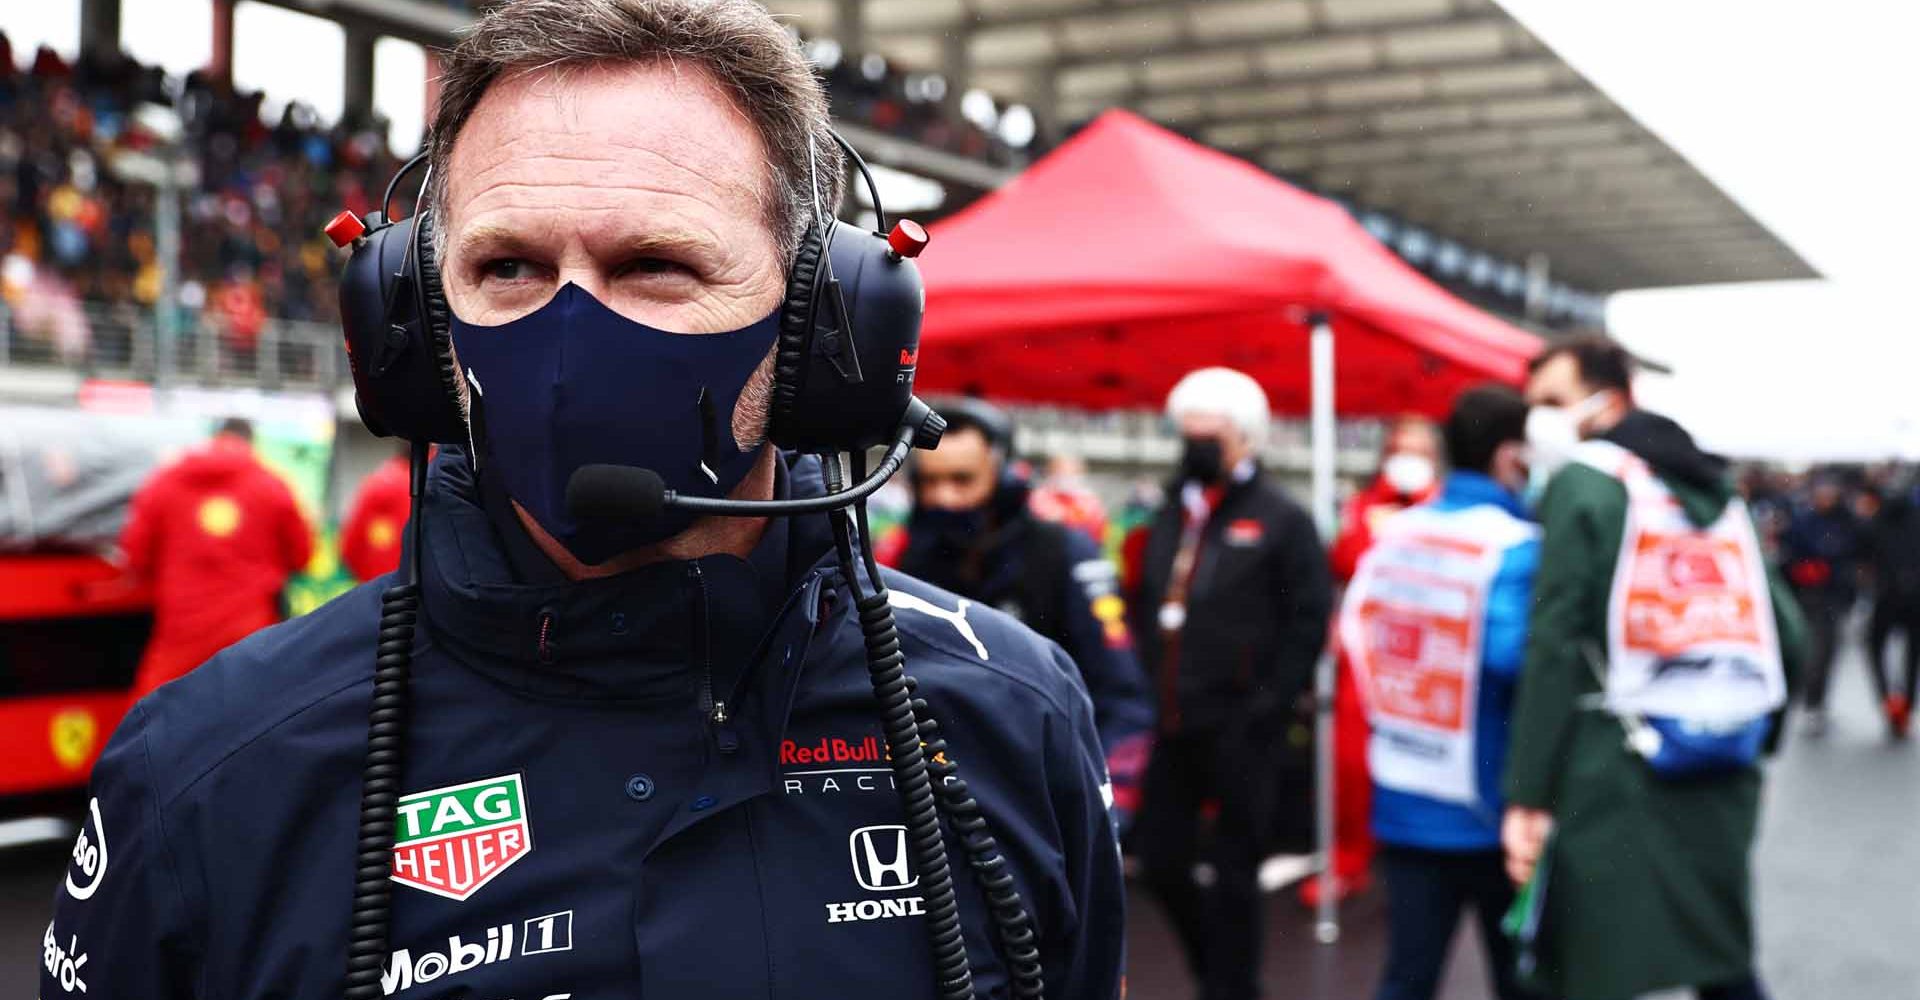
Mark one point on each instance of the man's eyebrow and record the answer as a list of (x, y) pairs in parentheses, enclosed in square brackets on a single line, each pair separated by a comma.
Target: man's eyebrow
[(492, 238), (672, 242), (497, 239)]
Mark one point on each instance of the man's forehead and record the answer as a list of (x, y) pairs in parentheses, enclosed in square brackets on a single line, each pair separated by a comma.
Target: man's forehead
[(1414, 436), (1202, 422), (959, 448), (667, 127), (1559, 376)]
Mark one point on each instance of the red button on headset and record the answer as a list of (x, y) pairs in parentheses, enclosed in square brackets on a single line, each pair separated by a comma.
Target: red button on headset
[(907, 238), (344, 229)]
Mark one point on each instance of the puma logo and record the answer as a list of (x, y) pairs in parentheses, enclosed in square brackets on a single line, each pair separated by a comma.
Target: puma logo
[(957, 617)]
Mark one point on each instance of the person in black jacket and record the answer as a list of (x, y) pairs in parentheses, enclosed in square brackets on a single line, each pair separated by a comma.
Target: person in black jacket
[(1821, 554), (1896, 604), (612, 757), (1231, 612), (971, 532)]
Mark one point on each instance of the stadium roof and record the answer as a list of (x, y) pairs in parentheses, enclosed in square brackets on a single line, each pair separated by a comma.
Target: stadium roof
[(1447, 113)]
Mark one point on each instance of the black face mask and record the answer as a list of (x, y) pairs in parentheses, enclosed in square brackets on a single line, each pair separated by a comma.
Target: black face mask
[(951, 531), (1202, 462)]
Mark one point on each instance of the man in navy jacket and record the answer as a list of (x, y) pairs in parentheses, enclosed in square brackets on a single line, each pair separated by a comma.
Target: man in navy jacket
[(636, 765)]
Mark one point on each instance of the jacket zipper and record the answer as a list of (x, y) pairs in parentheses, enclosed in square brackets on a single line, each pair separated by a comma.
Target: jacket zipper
[(702, 654), (714, 710)]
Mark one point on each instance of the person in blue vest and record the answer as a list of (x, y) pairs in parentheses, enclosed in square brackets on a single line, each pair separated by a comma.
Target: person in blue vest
[(644, 755), (1436, 624)]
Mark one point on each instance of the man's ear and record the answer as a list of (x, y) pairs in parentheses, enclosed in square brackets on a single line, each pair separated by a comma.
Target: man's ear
[(1509, 464)]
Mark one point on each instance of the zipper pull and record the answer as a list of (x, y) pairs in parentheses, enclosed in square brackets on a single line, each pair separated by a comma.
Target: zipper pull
[(723, 734)]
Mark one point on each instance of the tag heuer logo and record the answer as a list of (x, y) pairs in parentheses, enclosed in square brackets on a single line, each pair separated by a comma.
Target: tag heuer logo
[(451, 841)]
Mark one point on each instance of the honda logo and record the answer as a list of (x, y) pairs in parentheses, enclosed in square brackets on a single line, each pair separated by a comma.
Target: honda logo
[(880, 860)]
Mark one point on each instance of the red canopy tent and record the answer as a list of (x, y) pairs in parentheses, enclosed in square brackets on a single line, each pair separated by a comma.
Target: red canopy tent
[(1130, 256)]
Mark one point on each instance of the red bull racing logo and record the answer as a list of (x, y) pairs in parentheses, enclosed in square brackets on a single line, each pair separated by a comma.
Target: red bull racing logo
[(451, 841), (866, 750)]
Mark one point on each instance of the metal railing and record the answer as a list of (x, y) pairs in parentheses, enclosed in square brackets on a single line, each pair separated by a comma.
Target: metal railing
[(122, 341)]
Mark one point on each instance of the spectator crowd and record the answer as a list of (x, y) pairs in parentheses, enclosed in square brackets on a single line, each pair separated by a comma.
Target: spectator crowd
[(78, 227)]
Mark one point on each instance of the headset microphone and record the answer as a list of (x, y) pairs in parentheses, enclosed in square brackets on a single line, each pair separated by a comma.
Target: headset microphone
[(615, 492)]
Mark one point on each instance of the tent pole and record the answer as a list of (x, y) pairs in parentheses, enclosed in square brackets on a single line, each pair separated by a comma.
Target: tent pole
[(1321, 374), (1327, 919)]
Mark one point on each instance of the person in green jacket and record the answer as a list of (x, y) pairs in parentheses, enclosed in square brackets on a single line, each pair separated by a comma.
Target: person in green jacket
[(1647, 881)]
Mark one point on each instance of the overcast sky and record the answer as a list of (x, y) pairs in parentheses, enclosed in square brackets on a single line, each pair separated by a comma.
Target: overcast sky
[(1803, 112)]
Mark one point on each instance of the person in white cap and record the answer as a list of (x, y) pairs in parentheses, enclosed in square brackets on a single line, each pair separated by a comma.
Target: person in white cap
[(1231, 611)]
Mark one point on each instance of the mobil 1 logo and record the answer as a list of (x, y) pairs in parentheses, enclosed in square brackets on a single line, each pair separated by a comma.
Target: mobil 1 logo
[(541, 935)]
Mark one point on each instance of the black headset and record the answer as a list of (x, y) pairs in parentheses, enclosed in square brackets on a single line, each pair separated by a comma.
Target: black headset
[(848, 345), (844, 363)]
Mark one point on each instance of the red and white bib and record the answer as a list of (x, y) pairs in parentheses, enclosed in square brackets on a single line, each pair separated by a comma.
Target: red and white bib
[(1411, 624), (1690, 629)]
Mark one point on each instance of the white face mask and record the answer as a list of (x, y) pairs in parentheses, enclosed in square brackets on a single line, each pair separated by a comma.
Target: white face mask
[(1409, 475), (1553, 431)]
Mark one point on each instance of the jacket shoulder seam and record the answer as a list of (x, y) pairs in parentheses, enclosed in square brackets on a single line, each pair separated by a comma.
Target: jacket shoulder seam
[(267, 730), (166, 842), (952, 648), (997, 668)]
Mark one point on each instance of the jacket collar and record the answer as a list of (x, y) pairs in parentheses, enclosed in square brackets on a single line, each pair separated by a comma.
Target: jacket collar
[(650, 633), (1195, 497), (1670, 450), (1471, 489)]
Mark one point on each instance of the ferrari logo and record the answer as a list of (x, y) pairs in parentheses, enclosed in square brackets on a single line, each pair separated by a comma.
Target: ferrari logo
[(219, 516), (72, 735)]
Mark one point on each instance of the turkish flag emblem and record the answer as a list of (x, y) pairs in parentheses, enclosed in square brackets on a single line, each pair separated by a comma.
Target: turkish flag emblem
[(1694, 568)]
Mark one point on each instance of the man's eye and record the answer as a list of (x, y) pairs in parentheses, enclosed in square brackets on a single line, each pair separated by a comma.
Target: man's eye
[(655, 266), (506, 269)]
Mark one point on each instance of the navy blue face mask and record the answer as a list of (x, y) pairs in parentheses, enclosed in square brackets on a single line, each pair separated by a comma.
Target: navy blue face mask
[(574, 383)]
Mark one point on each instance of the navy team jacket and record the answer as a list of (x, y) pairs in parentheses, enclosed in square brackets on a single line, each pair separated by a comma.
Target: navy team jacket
[(576, 824)]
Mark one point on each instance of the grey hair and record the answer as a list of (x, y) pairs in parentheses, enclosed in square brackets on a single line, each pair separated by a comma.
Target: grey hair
[(756, 61)]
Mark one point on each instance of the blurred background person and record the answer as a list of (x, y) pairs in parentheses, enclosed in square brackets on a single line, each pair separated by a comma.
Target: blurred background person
[(1437, 760), (370, 536), (1643, 863), (1821, 551), (1896, 606), (218, 533), (971, 531), (1231, 614), (1064, 496), (1407, 475)]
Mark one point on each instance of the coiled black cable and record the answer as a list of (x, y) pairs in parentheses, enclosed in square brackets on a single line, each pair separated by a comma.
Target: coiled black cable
[(1013, 926), (953, 975), (1019, 945), (386, 758)]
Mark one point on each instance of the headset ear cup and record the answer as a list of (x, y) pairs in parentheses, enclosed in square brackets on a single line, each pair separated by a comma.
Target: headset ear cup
[(796, 333), (435, 315)]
